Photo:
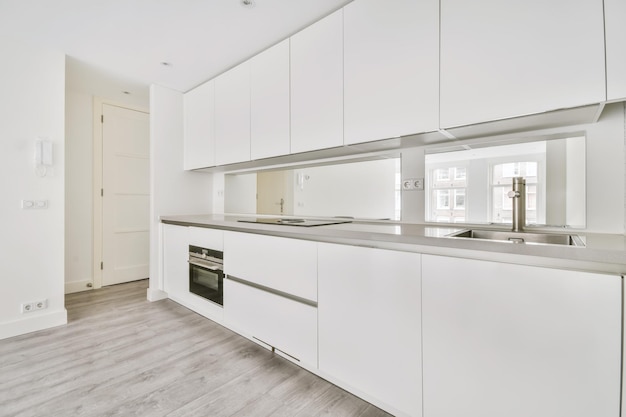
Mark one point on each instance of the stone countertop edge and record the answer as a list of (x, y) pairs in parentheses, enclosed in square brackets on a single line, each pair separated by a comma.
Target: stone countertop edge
[(604, 253)]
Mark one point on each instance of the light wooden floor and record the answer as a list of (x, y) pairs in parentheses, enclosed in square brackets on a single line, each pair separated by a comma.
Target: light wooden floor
[(121, 355)]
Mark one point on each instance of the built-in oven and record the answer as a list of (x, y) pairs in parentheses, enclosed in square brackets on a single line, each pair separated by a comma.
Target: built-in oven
[(206, 273)]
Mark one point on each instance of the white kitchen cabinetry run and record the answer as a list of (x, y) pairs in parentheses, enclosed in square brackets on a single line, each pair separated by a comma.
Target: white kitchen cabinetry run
[(286, 265), (391, 68), (369, 323), (506, 59), (615, 16), (518, 341), (269, 102), (232, 115), (199, 124), (317, 85)]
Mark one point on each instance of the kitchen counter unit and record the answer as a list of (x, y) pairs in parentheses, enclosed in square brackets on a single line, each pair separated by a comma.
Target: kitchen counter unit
[(603, 252)]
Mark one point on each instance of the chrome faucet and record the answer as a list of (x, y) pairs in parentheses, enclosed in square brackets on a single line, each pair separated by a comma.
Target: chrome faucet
[(518, 194)]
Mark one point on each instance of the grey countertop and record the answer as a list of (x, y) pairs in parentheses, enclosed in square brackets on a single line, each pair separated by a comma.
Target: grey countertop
[(602, 253)]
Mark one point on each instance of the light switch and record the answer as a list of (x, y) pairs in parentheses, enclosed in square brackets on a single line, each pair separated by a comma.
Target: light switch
[(28, 204)]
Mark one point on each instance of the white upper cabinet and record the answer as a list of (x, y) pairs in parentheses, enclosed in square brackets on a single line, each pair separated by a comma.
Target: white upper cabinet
[(391, 67), (317, 85), (269, 102), (513, 58), (232, 115), (199, 123), (615, 16)]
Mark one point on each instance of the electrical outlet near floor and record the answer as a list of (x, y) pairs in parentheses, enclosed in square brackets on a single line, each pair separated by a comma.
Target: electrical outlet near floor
[(34, 306)]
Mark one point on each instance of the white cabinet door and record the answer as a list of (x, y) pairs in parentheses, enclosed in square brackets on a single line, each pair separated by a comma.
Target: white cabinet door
[(615, 16), (391, 68), (232, 115), (287, 265), (501, 59), (317, 85), (199, 123), (519, 341), (175, 255), (285, 324), (269, 102), (369, 323)]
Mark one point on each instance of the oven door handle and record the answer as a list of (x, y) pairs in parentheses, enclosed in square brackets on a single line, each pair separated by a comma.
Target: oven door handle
[(206, 265)]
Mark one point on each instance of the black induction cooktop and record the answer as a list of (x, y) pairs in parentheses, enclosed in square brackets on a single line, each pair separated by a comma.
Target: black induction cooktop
[(294, 221)]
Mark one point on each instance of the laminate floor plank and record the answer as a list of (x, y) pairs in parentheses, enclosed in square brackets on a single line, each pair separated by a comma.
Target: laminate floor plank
[(120, 355)]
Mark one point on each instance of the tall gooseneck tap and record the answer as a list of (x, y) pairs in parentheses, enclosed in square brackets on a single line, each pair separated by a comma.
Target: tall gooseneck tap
[(518, 194)]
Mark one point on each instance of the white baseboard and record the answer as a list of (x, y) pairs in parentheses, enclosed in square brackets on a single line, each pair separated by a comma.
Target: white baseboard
[(156, 295), (39, 321), (77, 286)]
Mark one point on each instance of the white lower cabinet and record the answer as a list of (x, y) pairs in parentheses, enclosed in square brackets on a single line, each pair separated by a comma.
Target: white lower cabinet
[(518, 341), (175, 255), (276, 320), (369, 324), (287, 265), (270, 292)]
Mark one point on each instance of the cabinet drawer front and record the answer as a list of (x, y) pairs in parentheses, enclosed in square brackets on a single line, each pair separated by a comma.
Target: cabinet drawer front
[(287, 265), (285, 324), (206, 238)]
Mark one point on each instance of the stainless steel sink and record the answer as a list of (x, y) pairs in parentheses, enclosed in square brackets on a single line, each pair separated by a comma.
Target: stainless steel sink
[(521, 237)]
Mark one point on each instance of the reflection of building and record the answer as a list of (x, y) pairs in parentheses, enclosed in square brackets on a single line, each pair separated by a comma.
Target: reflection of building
[(448, 186), (472, 185)]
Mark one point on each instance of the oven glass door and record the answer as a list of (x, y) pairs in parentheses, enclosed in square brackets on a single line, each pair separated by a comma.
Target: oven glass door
[(207, 283)]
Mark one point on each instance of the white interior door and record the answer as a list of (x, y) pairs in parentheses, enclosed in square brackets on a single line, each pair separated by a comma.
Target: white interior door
[(126, 194), (274, 194)]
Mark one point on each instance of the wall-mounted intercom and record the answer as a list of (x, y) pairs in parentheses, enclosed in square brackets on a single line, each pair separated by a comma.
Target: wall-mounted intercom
[(43, 152)]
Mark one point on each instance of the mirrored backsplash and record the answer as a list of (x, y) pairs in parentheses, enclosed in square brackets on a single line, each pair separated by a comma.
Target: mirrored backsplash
[(364, 190), (471, 185)]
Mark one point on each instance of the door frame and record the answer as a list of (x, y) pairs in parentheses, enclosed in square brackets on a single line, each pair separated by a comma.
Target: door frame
[(98, 104)]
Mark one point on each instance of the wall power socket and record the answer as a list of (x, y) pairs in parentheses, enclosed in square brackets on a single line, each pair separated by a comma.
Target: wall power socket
[(415, 184), (34, 306)]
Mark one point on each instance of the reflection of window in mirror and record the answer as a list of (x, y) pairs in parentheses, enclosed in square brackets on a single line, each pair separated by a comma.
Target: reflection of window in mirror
[(471, 185), (502, 175)]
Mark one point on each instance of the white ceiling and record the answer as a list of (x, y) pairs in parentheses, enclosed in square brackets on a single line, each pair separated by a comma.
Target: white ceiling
[(129, 39)]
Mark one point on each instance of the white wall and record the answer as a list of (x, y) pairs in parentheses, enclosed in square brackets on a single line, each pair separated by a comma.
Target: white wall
[(173, 190), (32, 82), (78, 191), (83, 83), (361, 189)]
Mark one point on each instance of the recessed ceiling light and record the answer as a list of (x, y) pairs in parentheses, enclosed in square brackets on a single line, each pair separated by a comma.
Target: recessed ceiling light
[(248, 4)]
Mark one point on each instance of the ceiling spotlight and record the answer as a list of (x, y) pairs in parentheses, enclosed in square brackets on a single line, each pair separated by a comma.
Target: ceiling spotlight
[(248, 4)]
